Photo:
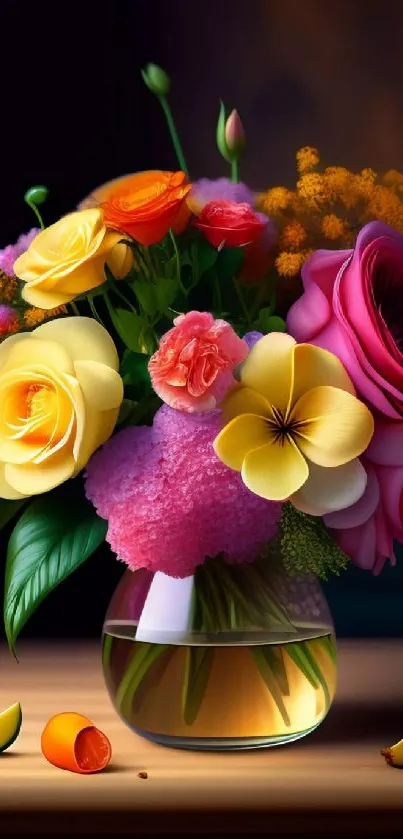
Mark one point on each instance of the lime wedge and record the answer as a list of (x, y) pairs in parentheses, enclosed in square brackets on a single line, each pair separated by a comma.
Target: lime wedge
[(10, 724)]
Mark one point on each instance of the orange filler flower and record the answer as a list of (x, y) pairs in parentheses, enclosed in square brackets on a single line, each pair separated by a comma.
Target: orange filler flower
[(146, 205)]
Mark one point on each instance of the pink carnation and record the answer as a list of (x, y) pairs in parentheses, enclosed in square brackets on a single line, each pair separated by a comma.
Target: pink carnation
[(9, 254), (170, 502), (193, 367)]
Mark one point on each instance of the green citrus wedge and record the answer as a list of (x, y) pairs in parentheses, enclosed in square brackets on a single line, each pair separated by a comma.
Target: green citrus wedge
[(10, 724)]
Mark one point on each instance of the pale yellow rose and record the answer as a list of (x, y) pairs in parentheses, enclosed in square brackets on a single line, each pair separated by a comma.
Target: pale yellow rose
[(60, 395), (67, 259)]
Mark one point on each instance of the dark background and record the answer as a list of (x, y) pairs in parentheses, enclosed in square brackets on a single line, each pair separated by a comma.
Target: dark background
[(75, 113)]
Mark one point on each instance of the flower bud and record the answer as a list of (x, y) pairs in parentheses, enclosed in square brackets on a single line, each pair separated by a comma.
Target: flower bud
[(234, 134), (156, 79), (36, 195)]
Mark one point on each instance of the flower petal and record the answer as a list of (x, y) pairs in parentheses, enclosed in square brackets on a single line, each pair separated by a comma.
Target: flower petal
[(275, 471), (268, 368), (22, 351), (336, 427), (362, 510), (241, 436), (6, 490), (386, 446), (83, 338), (327, 490), (314, 367), (102, 387), (33, 480), (244, 400)]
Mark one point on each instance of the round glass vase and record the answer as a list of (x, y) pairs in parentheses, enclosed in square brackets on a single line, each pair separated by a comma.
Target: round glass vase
[(233, 657)]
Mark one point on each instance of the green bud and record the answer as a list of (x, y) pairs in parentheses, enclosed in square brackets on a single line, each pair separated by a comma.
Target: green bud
[(220, 134), (36, 195), (275, 324), (156, 79)]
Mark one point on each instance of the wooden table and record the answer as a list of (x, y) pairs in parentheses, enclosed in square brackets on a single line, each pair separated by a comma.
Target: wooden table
[(334, 779)]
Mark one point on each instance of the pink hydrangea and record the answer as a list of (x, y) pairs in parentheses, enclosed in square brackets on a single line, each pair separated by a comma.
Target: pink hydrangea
[(170, 502), (193, 367), (9, 254)]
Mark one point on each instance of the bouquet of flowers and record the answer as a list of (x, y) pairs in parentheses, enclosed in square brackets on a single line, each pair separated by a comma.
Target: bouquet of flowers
[(207, 377)]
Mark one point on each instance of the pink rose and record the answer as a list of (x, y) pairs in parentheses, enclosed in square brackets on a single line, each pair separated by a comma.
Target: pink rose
[(193, 367), (352, 305), (366, 531)]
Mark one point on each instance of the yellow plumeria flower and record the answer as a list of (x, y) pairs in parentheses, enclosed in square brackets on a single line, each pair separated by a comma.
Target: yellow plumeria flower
[(295, 428)]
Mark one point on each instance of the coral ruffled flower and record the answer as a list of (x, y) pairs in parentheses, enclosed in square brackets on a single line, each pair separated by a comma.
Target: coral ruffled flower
[(352, 306), (68, 259), (170, 502), (226, 223), (193, 367), (146, 205), (60, 394), (295, 428)]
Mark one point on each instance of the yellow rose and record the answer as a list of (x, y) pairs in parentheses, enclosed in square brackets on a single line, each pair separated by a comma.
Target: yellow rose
[(60, 394), (67, 259)]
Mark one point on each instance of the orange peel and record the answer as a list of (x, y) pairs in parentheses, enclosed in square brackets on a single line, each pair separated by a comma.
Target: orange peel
[(71, 741)]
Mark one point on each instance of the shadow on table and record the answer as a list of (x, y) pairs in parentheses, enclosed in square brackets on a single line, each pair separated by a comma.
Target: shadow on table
[(346, 723)]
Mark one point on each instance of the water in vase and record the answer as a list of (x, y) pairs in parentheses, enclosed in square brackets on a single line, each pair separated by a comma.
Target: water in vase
[(221, 696)]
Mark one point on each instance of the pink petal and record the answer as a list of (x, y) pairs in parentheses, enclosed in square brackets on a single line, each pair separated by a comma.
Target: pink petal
[(386, 446)]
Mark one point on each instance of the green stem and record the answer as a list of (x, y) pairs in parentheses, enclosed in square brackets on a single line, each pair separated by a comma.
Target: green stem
[(217, 301), (93, 309), (234, 171), (241, 300), (114, 287), (174, 134), (75, 308), (178, 264), (34, 208)]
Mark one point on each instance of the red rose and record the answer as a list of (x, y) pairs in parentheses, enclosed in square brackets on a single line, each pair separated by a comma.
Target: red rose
[(230, 224)]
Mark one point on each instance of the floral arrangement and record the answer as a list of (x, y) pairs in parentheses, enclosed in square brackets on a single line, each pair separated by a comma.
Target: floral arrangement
[(195, 371)]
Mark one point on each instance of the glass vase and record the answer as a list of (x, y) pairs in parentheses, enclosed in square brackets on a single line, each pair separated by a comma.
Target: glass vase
[(233, 657)]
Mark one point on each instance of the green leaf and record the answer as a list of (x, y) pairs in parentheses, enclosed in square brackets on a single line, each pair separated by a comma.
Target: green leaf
[(166, 291), (229, 262), (53, 537), (134, 368), (128, 325), (264, 318), (9, 509), (146, 295), (196, 676), (306, 661), (204, 255), (275, 324)]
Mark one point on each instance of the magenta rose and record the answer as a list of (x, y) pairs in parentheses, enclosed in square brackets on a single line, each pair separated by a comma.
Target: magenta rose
[(352, 305)]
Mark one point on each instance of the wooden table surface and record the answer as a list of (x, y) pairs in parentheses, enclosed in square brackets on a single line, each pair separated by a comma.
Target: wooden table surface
[(334, 778)]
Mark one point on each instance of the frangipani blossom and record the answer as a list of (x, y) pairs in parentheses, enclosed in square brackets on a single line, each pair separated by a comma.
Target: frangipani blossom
[(295, 428)]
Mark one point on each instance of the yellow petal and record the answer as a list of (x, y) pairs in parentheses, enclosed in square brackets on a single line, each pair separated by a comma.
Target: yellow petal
[(336, 428), (120, 259), (45, 299), (244, 400), (328, 490), (314, 367), (97, 430), (101, 385), (23, 351), (83, 339), (6, 490), (275, 471), (268, 368), (241, 436), (29, 479)]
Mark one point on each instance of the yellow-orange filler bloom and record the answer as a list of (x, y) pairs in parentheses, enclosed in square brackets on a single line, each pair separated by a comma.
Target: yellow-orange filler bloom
[(294, 427)]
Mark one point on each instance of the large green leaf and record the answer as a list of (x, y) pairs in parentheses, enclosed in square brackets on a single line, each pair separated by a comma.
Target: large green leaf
[(53, 537), (128, 325)]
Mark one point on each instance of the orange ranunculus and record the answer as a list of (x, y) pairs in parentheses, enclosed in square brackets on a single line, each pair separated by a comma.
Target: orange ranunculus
[(145, 205)]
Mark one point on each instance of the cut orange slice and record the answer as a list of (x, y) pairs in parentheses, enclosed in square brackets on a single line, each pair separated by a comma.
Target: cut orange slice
[(71, 741)]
